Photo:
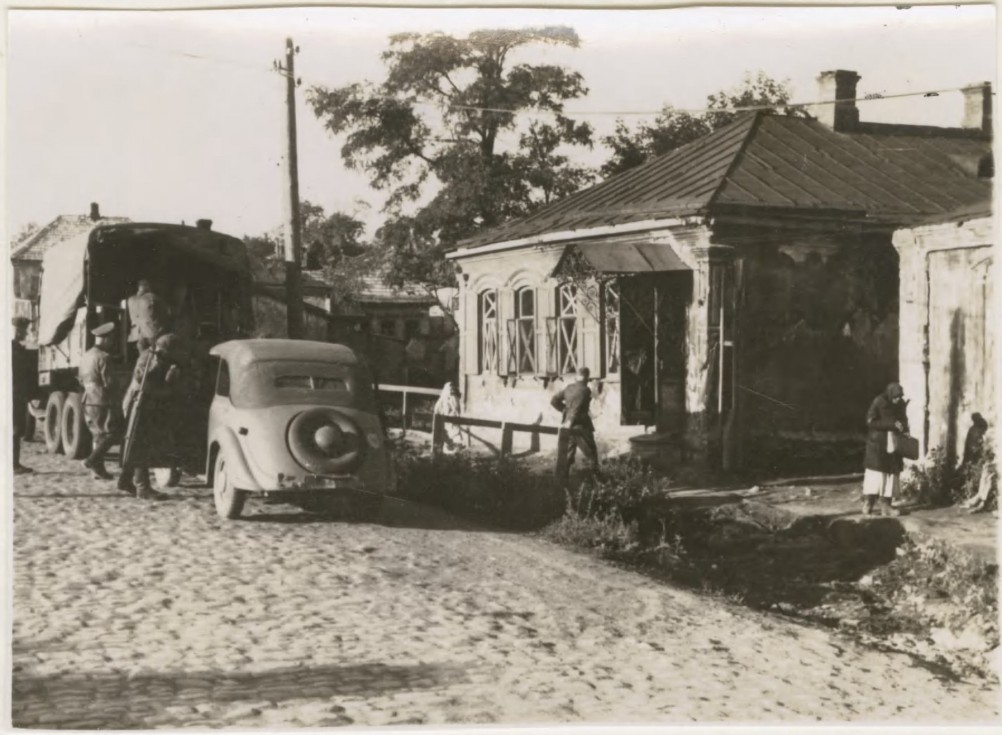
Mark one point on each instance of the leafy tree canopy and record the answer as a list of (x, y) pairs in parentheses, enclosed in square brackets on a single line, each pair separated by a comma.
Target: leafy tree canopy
[(446, 135), (673, 128)]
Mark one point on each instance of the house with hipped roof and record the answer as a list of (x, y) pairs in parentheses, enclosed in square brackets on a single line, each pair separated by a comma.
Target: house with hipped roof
[(739, 289), (26, 257)]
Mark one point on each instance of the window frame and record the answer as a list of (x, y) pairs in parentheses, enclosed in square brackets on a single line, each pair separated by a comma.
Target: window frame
[(488, 331), (568, 334), (526, 360)]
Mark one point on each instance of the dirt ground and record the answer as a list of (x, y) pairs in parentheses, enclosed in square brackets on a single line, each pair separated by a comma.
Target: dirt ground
[(130, 614)]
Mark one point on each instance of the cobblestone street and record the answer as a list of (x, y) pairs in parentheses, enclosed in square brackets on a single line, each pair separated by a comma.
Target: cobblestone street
[(139, 615)]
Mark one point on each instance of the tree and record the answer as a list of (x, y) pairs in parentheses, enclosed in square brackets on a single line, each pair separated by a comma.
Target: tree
[(461, 136), (674, 128)]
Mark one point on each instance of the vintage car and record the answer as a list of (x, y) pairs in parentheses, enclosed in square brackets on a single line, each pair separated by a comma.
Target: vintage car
[(294, 420)]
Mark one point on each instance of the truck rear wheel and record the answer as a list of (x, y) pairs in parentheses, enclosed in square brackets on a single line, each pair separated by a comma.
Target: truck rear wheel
[(54, 422), (76, 437)]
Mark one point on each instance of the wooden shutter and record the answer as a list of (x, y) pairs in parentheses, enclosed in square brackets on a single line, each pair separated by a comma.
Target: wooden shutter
[(589, 329), (545, 308), (506, 311), (469, 337)]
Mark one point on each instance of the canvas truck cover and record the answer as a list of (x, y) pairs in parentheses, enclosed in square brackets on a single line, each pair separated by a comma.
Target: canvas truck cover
[(62, 289), (112, 251)]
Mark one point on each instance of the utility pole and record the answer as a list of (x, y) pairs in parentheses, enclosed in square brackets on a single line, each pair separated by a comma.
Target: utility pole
[(293, 236)]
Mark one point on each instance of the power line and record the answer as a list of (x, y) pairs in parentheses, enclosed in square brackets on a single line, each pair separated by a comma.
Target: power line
[(876, 97)]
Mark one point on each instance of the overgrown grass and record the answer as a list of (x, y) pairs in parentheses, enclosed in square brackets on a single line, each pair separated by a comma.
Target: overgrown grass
[(747, 553), (501, 493)]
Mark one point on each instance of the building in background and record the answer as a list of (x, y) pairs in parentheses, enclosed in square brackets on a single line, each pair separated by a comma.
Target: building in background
[(26, 257), (949, 317)]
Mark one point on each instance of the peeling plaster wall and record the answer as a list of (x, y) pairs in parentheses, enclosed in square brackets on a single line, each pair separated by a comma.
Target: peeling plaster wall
[(526, 398), (949, 316), (819, 334)]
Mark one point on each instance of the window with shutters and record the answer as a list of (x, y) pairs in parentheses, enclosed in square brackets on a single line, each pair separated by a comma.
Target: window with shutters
[(567, 328), (488, 331), (524, 341), (610, 325)]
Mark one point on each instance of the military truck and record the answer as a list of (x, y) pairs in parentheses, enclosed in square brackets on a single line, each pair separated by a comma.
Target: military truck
[(203, 276)]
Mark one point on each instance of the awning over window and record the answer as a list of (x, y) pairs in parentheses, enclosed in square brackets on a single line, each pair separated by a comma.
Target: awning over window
[(618, 257)]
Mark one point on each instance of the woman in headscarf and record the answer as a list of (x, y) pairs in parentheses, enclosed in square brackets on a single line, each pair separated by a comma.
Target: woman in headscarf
[(882, 475), (448, 405)]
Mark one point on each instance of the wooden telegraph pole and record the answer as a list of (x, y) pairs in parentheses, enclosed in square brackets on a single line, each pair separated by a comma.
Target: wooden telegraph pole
[(293, 235)]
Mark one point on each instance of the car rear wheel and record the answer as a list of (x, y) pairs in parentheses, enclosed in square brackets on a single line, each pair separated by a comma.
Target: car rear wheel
[(54, 422), (75, 435), (228, 499)]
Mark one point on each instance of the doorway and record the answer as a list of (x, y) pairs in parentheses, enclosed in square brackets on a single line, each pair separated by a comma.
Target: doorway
[(653, 335)]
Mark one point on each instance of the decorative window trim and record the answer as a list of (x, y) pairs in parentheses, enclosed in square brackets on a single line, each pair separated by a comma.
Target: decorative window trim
[(567, 332), (488, 330), (524, 338)]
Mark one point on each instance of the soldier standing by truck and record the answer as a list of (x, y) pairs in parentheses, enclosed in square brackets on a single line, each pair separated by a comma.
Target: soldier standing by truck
[(22, 375), (100, 402)]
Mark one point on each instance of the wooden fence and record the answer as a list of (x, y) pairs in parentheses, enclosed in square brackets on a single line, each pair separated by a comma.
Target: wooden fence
[(408, 394), (508, 429)]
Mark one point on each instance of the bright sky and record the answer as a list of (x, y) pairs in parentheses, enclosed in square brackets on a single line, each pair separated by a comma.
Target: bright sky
[(176, 116)]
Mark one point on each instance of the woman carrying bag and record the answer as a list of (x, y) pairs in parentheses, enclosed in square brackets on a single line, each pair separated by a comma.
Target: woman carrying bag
[(887, 443)]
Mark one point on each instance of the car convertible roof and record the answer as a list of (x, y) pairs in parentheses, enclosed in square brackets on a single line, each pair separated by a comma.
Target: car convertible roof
[(248, 351)]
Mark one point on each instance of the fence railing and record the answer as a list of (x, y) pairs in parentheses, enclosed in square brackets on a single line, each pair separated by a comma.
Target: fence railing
[(408, 394), (508, 429)]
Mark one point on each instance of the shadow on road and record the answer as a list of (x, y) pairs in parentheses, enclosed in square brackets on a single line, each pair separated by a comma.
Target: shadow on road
[(120, 701), (392, 513)]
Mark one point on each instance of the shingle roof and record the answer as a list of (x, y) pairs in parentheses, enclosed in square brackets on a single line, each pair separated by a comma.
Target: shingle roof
[(768, 161), (62, 228)]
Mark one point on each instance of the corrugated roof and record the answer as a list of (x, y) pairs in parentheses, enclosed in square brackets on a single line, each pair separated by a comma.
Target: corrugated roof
[(776, 162), (62, 228)]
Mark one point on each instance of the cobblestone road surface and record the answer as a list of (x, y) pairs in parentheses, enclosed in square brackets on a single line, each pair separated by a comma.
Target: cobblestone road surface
[(140, 615)]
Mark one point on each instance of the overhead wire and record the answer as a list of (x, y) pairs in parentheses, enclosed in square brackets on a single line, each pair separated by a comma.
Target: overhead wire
[(577, 112)]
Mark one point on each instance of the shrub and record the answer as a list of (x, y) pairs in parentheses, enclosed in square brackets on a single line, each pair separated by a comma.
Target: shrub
[(608, 534), (934, 481), (501, 492), (623, 488)]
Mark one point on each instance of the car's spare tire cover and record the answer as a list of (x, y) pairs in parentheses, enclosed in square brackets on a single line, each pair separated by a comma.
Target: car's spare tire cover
[(326, 441)]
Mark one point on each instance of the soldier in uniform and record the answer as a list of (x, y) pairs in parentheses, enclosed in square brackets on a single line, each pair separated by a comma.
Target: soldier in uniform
[(574, 402), (22, 385), (150, 406), (148, 313), (100, 400)]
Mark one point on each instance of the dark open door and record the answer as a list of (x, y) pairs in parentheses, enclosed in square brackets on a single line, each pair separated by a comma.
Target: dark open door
[(653, 344)]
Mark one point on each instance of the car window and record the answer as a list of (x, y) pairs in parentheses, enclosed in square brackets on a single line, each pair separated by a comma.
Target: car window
[(223, 380), (310, 382)]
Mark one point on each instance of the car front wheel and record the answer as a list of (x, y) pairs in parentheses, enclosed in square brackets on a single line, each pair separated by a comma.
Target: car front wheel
[(229, 500)]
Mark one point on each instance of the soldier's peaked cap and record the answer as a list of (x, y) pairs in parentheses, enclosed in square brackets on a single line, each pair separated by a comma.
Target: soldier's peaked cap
[(104, 330)]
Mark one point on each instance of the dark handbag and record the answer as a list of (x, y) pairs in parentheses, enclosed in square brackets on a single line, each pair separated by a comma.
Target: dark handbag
[(904, 445)]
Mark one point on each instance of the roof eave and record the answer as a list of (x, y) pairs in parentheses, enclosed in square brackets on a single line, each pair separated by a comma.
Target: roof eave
[(551, 238)]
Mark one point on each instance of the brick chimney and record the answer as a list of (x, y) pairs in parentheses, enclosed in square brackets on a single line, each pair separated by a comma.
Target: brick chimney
[(833, 88), (203, 224), (95, 211), (978, 107)]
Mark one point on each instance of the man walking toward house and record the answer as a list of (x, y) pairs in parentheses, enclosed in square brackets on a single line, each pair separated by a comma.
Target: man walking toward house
[(574, 402), (22, 380), (881, 478), (100, 401)]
